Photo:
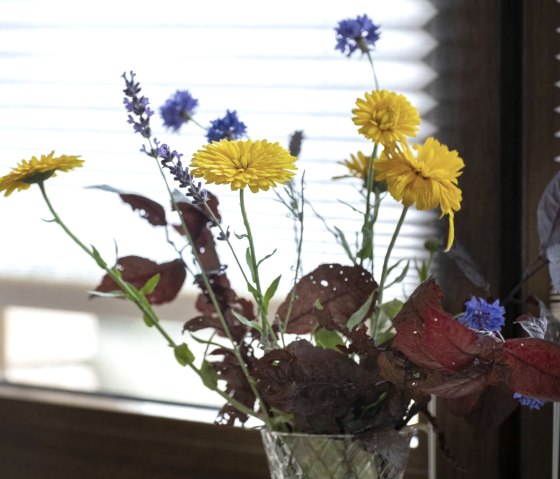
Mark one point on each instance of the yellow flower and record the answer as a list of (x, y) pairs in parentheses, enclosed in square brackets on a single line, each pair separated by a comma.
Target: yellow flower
[(357, 166), (256, 164), (34, 171), (429, 179), (385, 117)]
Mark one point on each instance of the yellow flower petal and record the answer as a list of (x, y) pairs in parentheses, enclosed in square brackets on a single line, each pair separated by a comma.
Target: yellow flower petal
[(28, 172), (259, 165), (428, 179), (385, 117)]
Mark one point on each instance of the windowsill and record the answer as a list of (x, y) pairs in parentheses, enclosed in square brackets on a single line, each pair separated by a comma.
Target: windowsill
[(102, 402)]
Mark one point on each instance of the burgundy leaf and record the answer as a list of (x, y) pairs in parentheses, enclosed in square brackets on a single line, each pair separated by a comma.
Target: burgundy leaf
[(340, 290), (534, 367), (137, 271), (147, 208), (434, 340), (196, 217), (326, 391), (228, 370), (198, 223), (206, 247), (471, 381), (228, 302)]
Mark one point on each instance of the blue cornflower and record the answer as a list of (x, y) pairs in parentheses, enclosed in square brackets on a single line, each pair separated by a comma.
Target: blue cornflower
[(139, 111), (483, 316), (529, 402), (229, 127), (178, 109), (353, 34)]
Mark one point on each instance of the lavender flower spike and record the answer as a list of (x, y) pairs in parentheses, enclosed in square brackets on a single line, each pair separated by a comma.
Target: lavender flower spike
[(137, 106), (172, 161)]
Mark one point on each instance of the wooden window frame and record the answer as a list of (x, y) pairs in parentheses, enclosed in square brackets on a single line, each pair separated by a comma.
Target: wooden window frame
[(496, 94), (496, 87)]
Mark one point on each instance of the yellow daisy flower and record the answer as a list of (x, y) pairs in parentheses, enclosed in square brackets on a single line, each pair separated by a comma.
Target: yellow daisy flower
[(385, 117), (429, 179), (357, 166), (35, 170), (256, 164)]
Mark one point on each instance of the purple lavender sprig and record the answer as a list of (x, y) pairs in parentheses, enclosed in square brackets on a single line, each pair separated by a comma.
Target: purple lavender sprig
[(172, 161), (137, 106)]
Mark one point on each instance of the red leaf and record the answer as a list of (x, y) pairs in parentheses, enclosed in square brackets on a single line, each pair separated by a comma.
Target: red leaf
[(137, 271), (147, 208), (534, 367), (341, 290), (432, 339)]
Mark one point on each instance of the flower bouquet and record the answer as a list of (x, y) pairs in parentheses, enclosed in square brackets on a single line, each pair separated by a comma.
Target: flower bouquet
[(335, 374)]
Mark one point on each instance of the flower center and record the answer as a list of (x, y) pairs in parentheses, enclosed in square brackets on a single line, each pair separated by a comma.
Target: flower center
[(386, 118)]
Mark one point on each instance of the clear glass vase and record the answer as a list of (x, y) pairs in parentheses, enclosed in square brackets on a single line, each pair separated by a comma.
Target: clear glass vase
[(315, 456)]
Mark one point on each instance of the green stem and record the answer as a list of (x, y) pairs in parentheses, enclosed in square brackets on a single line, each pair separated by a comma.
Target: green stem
[(368, 53), (224, 234), (369, 220), (258, 295), (377, 316), (299, 219), (141, 302), (214, 300)]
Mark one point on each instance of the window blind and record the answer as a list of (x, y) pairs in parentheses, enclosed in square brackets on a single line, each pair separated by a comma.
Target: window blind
[(273, 62)]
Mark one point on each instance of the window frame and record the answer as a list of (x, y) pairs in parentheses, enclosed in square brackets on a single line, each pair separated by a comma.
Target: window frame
[(497, 72)]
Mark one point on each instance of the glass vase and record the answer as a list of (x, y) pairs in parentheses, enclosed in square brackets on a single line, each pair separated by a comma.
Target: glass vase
[(315, 456)]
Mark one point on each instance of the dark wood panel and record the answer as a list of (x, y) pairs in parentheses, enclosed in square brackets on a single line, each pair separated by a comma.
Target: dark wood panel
[(41, 440), (47, 441), (540, 146), (469, 116), (496, 92)]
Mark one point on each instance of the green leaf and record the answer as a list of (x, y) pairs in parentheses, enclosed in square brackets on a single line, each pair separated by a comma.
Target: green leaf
[(250, 263), (97, 257), (183, 354), (384, 337), (265, 258), (317, 305), (344, 243), (401, 276), (327, 339), (149, 321), (109, 294), (360, 314), (392, 308), (247, 322), (392, 267), (209, 375), (151, 284), (240, 236), (366, 251), (271, 290)]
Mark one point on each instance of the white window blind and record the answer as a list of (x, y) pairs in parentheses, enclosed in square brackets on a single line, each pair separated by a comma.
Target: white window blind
[(273, 62)]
